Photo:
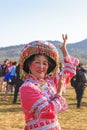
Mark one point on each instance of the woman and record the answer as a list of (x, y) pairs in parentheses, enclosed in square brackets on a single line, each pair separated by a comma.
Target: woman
[(40, 94)]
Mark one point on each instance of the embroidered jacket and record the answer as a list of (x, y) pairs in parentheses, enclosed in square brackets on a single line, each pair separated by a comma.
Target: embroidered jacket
[(40, 101)]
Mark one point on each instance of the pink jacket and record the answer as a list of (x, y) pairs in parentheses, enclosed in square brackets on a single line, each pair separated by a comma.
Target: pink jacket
[(40, 101)]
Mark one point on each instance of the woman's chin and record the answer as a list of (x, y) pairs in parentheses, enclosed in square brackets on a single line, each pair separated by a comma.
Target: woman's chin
[(40, 76)]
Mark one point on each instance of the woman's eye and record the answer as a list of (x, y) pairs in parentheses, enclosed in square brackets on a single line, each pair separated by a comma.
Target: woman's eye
[(41, 63), (45, 64), (37, 62)]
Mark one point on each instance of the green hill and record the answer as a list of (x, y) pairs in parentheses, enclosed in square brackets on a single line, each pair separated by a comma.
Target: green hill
[(78, 49)]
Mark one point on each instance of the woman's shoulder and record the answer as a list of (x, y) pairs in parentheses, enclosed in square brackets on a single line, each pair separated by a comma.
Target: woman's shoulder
[(29, 84)]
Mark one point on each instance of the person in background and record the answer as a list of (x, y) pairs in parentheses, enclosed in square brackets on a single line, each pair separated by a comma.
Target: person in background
[(10, 83), (10, 63), (18, 83), (12, 71), (4, 67), (81, 77), (40, 94)]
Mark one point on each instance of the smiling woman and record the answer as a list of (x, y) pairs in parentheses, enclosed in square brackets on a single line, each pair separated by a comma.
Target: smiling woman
[(39, 60), (41, 93)]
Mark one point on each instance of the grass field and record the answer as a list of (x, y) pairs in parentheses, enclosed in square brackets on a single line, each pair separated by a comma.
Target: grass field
[(12, 117)]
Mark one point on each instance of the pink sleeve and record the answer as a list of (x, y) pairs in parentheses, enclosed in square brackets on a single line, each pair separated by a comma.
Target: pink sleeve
[(70, 67), (68, 72), (28, 96), (72, 60)]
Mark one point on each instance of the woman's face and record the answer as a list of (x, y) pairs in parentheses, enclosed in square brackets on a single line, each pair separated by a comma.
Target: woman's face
[(39, 66)]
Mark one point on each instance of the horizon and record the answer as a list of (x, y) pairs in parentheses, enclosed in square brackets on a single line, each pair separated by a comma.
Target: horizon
[(46, 40)]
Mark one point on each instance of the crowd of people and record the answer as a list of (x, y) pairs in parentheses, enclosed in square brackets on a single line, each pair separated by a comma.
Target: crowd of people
[(10, 79)]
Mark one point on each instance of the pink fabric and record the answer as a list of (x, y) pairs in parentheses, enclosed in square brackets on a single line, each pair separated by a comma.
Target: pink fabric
[(72, 60), (40, 101)]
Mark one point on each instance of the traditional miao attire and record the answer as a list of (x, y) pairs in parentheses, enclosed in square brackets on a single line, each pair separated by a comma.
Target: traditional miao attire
[(40, 101)]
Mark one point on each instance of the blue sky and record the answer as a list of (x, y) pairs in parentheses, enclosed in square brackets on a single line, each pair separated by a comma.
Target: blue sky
[(22, 21)]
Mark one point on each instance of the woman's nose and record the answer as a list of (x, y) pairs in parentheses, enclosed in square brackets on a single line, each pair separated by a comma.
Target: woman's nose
[(41, 65)]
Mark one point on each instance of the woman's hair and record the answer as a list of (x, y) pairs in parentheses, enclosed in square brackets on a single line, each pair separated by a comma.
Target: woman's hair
[(51, 63)]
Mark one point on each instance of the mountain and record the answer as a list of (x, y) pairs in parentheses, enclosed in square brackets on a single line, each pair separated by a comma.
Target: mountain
[(78, 49)]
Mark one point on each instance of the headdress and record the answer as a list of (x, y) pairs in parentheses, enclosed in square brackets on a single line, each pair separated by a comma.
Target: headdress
[(38, 47)]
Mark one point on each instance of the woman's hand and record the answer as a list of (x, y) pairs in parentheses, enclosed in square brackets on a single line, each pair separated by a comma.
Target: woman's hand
[(63, 46), (65, 37), (62, 83)]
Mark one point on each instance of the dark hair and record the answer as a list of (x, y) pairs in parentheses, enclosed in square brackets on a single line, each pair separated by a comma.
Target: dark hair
[(5, 60), (14, 63), (80, 65), (51, 62)]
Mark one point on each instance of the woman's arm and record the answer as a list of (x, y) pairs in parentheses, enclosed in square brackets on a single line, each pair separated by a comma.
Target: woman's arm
[(69, 69), (63, 46), (65, 54)]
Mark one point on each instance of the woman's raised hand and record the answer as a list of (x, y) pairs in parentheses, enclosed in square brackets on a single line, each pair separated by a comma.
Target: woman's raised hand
[(63, 45)]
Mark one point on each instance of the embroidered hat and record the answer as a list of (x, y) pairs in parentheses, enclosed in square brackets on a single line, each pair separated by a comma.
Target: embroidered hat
[(38, 47)]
